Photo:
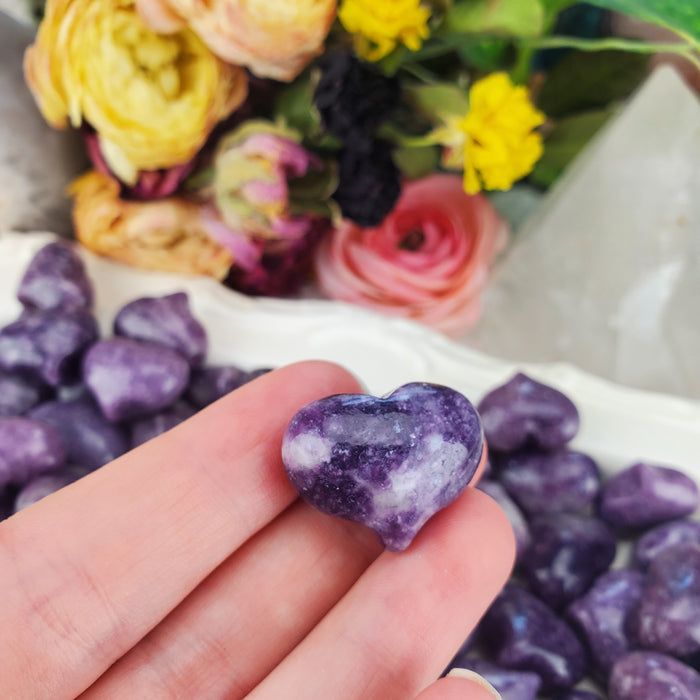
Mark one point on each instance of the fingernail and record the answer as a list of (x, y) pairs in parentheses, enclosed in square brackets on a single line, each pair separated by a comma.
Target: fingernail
[(475, 678)]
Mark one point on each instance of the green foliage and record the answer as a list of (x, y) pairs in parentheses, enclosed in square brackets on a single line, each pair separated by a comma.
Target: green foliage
[(417, 162), (516, 18)]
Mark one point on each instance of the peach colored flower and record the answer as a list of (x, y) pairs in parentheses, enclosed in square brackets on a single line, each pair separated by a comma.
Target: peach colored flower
[(274, 38), (429, 260)]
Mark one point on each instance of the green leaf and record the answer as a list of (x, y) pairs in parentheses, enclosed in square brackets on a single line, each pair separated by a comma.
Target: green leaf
[(565, 142), (486, 54), (417, 162), (583, 81), (519, 18), (295, 107), (683, 16), (436, 101)]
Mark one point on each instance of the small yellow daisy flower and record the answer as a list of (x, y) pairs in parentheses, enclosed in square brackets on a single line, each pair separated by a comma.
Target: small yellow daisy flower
[(379, 26)]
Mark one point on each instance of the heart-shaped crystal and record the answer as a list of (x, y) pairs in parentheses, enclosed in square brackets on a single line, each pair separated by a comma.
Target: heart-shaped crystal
[(389, 463)]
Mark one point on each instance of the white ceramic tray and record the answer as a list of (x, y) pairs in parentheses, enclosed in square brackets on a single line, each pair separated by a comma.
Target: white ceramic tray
[(619, 425)]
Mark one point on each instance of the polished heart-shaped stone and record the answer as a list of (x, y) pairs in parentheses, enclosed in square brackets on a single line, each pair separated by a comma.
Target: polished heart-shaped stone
[(389, 463)]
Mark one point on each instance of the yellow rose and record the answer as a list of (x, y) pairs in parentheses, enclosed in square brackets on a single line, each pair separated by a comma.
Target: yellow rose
[(152, 99), (274, 38), (165, 234)]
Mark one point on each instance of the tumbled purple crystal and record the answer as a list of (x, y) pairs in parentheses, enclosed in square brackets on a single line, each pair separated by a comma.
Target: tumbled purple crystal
[(211, 383), (56, 279), (661, 538), (645, 675), (511, 684), (89, 438), (667, 619), (389, 463), (644, 495), (145, 429), (48, 344), (524, 412), (28, 448), (562, 481), (18, 393), (602, 616), (45, 484), (568, 552), (525, 634), (166, 321), (517, 520), (130, 379)]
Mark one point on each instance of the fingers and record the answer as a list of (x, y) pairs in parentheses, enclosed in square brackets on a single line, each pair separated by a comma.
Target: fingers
[(87, 572), (249, 614), (469, 687), (402, 622)]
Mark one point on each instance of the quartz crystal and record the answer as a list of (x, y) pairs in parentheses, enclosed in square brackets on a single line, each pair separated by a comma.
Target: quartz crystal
[(389, 463), (525, 634), (525, 412), (644, 675)]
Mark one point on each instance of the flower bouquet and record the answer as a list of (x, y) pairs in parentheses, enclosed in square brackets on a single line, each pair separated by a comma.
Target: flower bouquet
[(260, 141)]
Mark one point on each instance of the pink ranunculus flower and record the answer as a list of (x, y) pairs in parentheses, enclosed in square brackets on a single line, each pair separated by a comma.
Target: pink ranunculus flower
[(273, 38), (429, 260)]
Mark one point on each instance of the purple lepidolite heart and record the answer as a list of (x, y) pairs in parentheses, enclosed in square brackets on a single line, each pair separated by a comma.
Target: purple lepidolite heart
[(389, 463)]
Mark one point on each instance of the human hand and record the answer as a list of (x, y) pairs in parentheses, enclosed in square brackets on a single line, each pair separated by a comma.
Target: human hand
[(188, 569)]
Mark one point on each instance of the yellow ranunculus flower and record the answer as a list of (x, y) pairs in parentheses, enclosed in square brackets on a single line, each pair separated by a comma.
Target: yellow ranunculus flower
[(274, 38), (380, 26), (164, 234), (152, 99), (500, 142)]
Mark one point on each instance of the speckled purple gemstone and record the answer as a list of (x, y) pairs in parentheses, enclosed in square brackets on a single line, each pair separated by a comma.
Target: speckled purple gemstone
[(209, 384), (56, 279), (46, 484), (562, 481), (389, 463), (602, 616), (90, 439), (28, 448), (568, 552), (644, 495), (667, 619), (166, 321), (525, 634), (145, 429), (644, 675), (524, 412), (48, 344), (663, 537), (511, 684), (521, 530), (19, 393), (131, 379)]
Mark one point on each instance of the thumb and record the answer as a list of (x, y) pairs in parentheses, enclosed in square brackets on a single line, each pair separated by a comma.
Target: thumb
[(460, 684)]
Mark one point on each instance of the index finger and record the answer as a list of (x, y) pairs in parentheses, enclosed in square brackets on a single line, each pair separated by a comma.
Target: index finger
[(88, 571)]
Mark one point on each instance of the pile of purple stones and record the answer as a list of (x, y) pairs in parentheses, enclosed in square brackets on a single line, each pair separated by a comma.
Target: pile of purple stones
[(69, 401), (567, 620)]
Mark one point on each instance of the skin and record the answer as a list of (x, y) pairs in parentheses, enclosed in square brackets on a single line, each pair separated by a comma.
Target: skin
[(189, 568)]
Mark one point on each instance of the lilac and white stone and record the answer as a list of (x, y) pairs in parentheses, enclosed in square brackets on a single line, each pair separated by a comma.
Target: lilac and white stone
[(90, 439), (524, 412), (645, 675), (568, 552), (56, 279), (389, 463), (524, 634), (166, 321), (602, 616), (149, 427), (19, 393), (48, 344), (131, 379), (667, 619), (562, 481), (521, 529), (511, 684), (28, 448), (663, 537), (644, 495)]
